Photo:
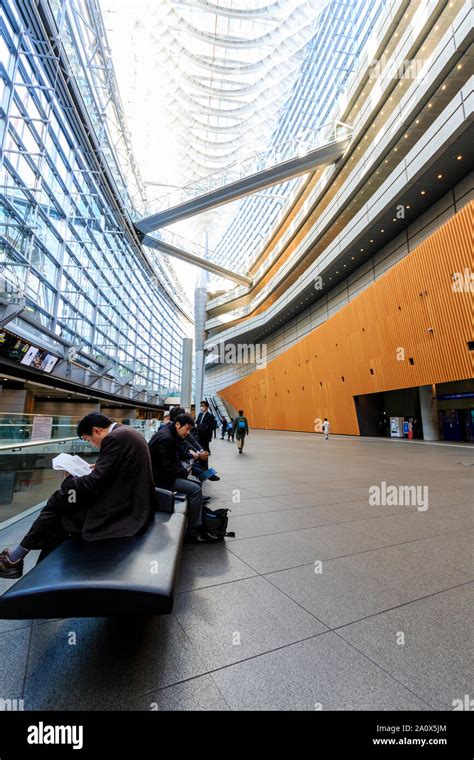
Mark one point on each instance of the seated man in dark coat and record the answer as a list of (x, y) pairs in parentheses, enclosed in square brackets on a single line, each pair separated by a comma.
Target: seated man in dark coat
[(170, 473), (114, 501)]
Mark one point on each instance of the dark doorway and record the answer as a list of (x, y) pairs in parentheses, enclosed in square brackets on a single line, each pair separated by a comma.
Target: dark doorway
[(375, 409)]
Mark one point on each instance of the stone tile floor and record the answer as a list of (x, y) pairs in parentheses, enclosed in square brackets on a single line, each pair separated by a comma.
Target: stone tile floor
[(323, 599)]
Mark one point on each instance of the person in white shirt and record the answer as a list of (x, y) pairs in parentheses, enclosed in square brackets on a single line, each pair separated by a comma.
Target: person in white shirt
[(326, 428)]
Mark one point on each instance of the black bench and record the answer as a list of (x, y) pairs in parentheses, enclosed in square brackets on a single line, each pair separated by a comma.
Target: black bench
[(122, 576)]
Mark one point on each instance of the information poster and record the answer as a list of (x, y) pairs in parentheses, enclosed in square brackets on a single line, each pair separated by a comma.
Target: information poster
[(42, 428)]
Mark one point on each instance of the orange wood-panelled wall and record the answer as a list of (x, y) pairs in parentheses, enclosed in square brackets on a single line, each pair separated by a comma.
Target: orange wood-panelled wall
[(415, 310)]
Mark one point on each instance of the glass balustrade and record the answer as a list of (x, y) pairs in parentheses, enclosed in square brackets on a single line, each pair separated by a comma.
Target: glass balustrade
[(27, 477)]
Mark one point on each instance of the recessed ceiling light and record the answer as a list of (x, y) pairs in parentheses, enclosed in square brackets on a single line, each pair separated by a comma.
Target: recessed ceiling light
[(458, 158), (395, 149), (406, 137), (459, 66), (394, 220), (417, 121), (352, 257), (382, 230), (408, 206), (361, 250), (430, 105), (443, 87), (440, 176), (423, 192), (371, 241)]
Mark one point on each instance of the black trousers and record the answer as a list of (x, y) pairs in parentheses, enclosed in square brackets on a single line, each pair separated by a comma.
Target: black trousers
[(56, 521), (205, 443)]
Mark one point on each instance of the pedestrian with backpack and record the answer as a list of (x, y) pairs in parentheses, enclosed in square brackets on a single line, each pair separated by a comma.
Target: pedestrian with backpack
[(241, 429)]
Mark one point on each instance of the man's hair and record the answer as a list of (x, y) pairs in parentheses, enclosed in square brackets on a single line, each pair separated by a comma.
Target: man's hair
[(184, 419), (205, 403), (173, 413), (241, 411), (92, 420)]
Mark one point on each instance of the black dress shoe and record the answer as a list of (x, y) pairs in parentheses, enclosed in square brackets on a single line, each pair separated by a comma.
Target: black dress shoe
[(9, 569), (200, 537), (214, 477)]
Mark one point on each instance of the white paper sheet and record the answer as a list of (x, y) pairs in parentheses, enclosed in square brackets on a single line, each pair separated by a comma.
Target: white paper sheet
[(74, 465)]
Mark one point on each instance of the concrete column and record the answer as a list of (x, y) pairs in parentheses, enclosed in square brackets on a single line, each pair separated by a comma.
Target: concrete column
[(187, 373), (200, 299), (429, 412)]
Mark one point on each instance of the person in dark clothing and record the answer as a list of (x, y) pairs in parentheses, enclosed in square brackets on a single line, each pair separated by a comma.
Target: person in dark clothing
[(114, 500), (241, 429), (223, 428), (191, 449), (165, 450), (205, 426)]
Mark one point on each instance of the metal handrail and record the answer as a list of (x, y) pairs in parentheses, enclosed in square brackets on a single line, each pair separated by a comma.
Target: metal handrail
[(30, 444)]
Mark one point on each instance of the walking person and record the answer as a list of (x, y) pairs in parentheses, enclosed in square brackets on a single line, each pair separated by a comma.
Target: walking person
[(326, 429), (223, 428), (230, 430), (241, 429)]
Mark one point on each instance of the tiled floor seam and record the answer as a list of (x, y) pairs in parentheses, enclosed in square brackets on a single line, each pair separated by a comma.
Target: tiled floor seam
[(198, 655), (342, 556), (398, 606), (387, 672), (341, 522), (25, 675)]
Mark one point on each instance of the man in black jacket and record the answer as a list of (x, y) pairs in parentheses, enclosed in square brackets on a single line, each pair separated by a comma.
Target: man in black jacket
[(114, 501), (205, 426), (169, 473)]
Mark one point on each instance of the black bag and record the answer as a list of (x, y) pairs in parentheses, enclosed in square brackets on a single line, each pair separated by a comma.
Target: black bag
[(164, 500), (215, 522)]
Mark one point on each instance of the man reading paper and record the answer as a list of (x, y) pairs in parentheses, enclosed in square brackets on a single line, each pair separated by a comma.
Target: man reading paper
[(113, 501)]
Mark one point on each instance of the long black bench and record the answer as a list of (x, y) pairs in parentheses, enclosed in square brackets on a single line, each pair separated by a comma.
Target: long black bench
[(123, 576)]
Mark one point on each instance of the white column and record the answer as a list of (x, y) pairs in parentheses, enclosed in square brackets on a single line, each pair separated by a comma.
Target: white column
[(429, 412), (187, 373), (200, 299)]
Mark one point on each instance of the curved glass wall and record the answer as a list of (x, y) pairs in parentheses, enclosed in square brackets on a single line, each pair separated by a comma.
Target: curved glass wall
[(67, 246)]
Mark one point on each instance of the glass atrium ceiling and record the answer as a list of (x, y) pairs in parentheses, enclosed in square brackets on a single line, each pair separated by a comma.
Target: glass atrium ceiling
[(207, 84)]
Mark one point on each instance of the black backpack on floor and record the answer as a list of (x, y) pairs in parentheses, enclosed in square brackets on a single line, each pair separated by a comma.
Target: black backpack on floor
[(215, 522)]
